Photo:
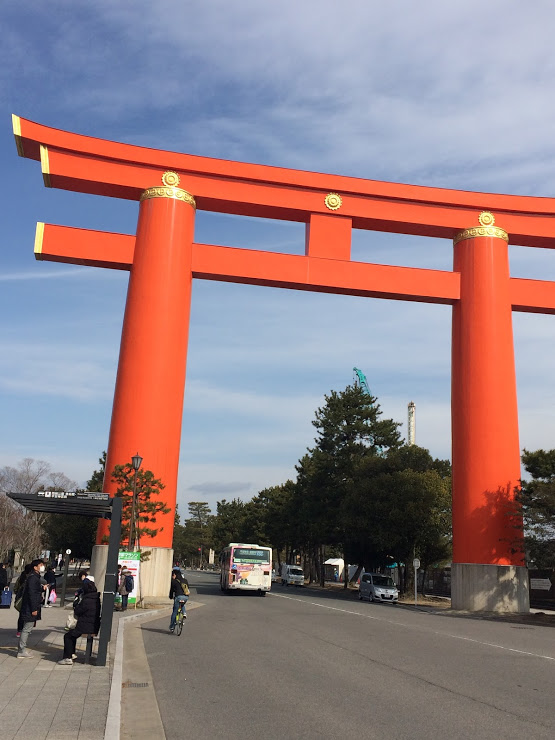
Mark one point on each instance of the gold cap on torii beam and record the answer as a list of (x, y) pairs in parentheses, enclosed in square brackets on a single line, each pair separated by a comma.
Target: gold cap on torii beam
[(486, 228), (169, 189)]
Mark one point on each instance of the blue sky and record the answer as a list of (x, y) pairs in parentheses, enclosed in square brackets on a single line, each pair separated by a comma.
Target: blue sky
[(433, 93)]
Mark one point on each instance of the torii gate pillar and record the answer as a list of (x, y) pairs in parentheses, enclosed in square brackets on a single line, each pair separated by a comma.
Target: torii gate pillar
[(150, 384), (488, 572)]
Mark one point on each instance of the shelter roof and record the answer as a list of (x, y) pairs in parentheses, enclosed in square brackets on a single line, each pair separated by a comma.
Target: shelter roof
[(81, 503)]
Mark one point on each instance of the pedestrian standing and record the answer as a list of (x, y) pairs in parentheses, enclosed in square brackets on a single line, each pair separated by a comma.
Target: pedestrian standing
[(18, 591), (118, 584), (3, 576), (87, 612), (125, 587), (50, 578), (30, 606)]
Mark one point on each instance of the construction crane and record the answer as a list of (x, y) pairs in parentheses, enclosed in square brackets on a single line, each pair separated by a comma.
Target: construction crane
[(362, 380)]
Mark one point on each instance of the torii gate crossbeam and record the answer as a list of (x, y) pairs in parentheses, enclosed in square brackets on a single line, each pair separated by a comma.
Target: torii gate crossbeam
[(488, 566)]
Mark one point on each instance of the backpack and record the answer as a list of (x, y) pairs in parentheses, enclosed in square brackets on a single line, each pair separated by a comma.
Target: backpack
[(129, 583)]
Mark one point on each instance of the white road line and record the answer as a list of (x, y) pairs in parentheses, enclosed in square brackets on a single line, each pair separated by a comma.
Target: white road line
[(408, 626)]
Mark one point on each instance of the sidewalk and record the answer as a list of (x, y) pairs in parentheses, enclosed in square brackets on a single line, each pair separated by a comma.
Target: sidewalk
[(45, 701), (42, 700)]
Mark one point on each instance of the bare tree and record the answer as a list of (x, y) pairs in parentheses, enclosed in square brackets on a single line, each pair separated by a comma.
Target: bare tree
[(21, 529), (28, 477)]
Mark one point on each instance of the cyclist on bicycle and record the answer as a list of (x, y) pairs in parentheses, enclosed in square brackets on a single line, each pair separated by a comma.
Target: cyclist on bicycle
[(179, 592)]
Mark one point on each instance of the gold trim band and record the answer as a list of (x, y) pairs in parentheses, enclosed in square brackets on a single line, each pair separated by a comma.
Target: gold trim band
[(45, 165), (39, 235), (16, 125), (168, 192), (481, 231)]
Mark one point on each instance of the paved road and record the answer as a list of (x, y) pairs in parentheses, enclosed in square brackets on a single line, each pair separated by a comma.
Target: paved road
[(298, 664)]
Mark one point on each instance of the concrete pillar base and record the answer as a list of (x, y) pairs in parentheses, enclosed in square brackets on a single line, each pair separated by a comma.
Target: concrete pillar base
[(154, 574), (98, 565), (489, 588)]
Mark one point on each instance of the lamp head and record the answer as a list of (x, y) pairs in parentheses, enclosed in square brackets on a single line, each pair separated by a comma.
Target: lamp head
[(136, 461)]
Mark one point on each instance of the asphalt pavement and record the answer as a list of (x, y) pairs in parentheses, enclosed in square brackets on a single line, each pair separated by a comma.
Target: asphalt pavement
[(302, 663)]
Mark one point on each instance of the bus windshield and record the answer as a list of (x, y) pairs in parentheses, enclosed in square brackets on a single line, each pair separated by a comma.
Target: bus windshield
[(250, 555)]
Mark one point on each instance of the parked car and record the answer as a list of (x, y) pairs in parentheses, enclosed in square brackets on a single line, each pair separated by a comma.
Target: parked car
[(275, 577), (377, 587)]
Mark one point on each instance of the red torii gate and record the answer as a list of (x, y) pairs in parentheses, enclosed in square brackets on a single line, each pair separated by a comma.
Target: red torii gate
[(488, 569)]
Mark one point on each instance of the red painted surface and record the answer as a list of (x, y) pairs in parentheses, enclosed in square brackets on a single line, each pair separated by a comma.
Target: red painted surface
[(163, 260), (89, 165), (486, 455), (148, 400)]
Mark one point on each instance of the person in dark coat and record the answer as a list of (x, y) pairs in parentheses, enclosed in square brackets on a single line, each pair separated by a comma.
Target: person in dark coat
[(87, 612), (18, 592), (3, 576), (179, 592), (30, 606), (82, 575), (50, 578)]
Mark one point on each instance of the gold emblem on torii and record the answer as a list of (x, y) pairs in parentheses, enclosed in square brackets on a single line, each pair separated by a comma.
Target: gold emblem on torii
[(169, 189), (486, 228)]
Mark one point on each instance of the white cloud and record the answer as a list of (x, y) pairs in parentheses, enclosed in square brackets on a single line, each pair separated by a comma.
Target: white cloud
[(38, 274), (229, 482), (70, 371)]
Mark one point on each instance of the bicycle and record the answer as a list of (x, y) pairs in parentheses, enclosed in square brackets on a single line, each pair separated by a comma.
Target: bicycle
[(179, 618)]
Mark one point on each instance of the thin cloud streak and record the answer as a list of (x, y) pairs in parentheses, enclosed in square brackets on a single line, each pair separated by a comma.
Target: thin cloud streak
[(44, 275)]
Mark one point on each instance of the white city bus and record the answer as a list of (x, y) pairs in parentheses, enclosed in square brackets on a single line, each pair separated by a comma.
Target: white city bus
[(246, 567)]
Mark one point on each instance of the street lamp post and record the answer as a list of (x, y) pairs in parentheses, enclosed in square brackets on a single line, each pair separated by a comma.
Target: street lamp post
[(136, 461)]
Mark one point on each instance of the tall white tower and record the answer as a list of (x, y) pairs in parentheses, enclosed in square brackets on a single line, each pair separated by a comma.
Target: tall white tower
[(412, 424)]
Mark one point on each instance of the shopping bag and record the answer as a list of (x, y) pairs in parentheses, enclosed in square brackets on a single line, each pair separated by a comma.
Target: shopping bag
[(6, 598), (71, 621), (52, 597)]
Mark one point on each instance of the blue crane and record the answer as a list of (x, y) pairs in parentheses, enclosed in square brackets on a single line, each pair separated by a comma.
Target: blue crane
[(362, 380)]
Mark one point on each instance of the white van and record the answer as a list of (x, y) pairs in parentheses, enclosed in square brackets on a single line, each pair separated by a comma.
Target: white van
[(292, 575), (376, 587)]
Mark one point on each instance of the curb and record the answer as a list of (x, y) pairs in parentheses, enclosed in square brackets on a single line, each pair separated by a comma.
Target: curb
[(113, 720)]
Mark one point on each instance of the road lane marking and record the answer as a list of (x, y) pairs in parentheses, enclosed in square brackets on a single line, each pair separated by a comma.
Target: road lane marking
[(408, 626)]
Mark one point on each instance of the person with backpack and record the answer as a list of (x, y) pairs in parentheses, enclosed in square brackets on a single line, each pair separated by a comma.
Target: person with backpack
[(126, 585), (179, 592)]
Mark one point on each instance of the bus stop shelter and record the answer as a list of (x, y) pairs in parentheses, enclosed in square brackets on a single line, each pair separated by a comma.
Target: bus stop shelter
[(98, 505)]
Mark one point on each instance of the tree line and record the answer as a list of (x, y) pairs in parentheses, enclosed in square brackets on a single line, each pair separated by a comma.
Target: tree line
[(360, 493), (363, 495)]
